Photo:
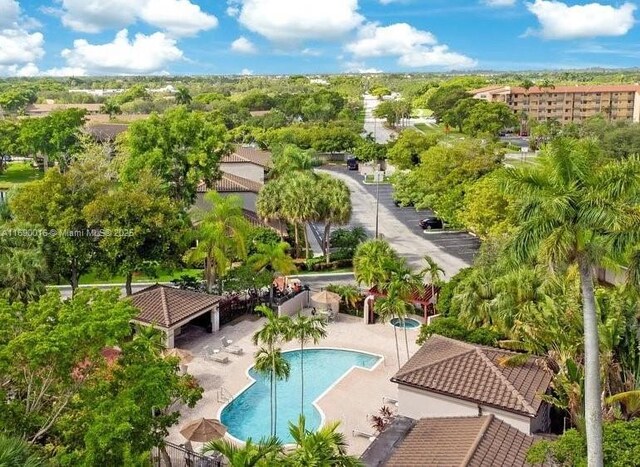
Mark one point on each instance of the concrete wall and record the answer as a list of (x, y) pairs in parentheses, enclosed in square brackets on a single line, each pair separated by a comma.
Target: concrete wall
[(296, 304), (245, 170), (521, 422), (418, 404), (612, 277)]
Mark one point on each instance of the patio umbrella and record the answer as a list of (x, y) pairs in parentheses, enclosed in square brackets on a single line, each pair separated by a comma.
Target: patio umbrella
[(325, 297), (203, 430), (184, 355)]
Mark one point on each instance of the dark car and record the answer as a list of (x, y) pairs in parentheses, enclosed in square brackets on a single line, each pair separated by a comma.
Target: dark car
[(429, 223), (352, 163)]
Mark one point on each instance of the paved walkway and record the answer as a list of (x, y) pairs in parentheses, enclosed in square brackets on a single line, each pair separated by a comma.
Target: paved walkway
[(405, 241), (357, 395)]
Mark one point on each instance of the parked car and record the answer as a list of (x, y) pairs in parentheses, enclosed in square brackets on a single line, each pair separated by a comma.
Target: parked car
[(352, 163), (431, 222)]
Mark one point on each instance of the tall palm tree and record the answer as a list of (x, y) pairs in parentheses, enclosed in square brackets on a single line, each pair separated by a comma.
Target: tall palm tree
[(389, 307), (272, 257), (221, 235), (404, 286), (250, 455), (305, 329), (323, 447), (579, 210), (335, 209), (435, 276), (269, 360), (183, 97)]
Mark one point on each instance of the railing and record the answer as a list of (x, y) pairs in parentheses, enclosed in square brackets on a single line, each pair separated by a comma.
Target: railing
[(179, 456), (224, 395)]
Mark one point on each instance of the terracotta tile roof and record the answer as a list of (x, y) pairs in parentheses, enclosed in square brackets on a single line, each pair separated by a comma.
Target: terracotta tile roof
[(462, 441), (279, 226), (473, 373), (230, 183), (166, 306), (495, 88), (244, 154)]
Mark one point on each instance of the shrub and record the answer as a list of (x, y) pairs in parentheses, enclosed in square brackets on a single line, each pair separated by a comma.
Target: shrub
[(483, 336), (448, 327), (447, 291)]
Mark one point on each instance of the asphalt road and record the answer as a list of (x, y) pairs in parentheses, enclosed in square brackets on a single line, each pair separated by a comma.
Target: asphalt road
[(452, 250), (316, 283), (373, 125)]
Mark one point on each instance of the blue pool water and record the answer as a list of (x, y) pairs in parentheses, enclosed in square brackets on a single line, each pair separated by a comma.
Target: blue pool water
[(409, 323), (248, 414)]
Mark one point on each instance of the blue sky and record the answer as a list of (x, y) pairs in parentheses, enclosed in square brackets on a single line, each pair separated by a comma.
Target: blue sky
[(112, 37)]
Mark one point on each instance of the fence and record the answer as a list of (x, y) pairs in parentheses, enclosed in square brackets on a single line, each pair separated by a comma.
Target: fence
[(294, 304), (179, 456)]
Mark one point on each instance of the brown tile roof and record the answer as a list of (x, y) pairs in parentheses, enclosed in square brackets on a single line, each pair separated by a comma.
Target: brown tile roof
[(470, 372), (495, 87), (243, 154), (106, 131), (279, 226), (462, 441), (166, 306), (230, 183)]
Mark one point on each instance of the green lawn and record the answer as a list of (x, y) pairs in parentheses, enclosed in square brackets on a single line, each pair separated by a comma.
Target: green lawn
[(17, 173), (163, 276), (369, 179)]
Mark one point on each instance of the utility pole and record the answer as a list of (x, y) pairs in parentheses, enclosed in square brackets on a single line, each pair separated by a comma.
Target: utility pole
[(376, 175)]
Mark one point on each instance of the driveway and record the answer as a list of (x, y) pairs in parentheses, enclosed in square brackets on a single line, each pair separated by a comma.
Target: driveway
[(373, 125), (399, 226)]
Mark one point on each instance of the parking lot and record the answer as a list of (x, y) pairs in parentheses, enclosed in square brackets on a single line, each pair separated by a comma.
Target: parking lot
[(453, 250)]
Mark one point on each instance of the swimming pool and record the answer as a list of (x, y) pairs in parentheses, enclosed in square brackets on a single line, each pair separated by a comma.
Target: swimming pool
[(248, 414), (409, 323)]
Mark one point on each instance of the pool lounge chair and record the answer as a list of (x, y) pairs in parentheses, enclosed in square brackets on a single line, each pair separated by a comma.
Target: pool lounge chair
[(234, 349), (214, 355)]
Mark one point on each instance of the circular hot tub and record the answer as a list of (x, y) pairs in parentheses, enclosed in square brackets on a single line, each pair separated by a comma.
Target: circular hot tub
[(408, 323)]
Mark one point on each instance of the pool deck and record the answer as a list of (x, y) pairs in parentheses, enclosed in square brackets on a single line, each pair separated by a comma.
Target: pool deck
[(355, 396)]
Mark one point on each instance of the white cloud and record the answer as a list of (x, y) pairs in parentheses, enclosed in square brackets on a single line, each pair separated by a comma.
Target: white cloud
[(286, 21), (360, 67), (143, 54), (244, 46), (19, 47), (177, 17), (499, 3), (9, 12), (246, 72), (561, 21), (413, 47), (397, 39), (65, 71)]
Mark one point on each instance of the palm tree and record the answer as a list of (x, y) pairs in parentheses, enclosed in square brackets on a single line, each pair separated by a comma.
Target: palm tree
[(272, 257), (579, 210), (435, 278), (305, 328), (370, 263), (389, 307), (222, 236), (323, 447), (21, 275), (15, 451), (269, 360), (261, 454), (182, 96), (335, 207)]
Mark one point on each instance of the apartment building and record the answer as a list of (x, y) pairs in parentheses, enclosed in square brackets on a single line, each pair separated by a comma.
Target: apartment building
[(568, 103)]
